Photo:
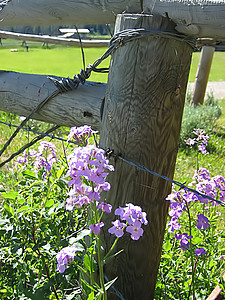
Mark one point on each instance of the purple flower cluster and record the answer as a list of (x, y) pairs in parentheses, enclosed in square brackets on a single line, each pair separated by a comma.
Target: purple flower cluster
[(134, 218), (24, 159), (201, 140), (64, 257), (81, 135), (44, 158), (179, 200), (87, 172)]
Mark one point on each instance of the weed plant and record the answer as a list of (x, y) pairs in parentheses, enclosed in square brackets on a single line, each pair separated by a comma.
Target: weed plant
[(203, 116)]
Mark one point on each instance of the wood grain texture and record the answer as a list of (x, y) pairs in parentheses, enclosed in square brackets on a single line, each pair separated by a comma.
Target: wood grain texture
[(141, 121), (21, 93), (53, 40), (62, 12), (200, 18), (202, 75)]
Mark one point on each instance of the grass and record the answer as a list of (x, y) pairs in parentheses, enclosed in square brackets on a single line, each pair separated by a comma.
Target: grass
[(67, 61), (217, 69), (56, 60)]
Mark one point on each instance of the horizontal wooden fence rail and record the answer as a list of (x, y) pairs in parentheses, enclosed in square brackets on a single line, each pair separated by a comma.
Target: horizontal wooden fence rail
[(20, 94), (202, 18), (53, 39)]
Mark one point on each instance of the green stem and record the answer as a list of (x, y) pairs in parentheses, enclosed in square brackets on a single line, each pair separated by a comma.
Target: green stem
[(192, 258), (101, 273), (197, 161), (100, 261), (111, 249), (92, 239)]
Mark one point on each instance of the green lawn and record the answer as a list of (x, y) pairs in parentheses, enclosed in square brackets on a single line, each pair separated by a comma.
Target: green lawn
[(67, 61), (217, 72), (60, 61)]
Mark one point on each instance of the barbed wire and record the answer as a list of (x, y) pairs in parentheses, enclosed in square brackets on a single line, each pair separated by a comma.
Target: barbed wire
[(3, 4), (110, 153), (34, 141), (180, 184), (39, 106), (44, 134), (119, 39)]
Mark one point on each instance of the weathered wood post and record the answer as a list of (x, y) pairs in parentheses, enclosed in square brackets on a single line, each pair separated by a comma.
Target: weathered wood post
[(141, 121), (202, 75)]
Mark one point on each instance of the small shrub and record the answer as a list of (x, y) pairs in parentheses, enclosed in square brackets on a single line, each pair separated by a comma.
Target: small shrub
[(203, 116)]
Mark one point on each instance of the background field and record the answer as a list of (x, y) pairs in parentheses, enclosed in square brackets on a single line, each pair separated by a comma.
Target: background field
[(67, 61)]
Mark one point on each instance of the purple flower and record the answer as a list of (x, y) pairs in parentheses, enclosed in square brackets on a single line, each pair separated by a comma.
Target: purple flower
[(47, 146), (64, 257), (81, 134), (88, 163), (135, 230), (95, 228), (201, 174), (202, 149), (131, 213), (105, 207), (117, 228), (173, 224), (21, 160), (203, 222), (184, 240), (190, 142), (200, 251)]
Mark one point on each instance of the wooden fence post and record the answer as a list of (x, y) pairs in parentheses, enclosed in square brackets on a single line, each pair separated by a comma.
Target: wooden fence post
[(202, 75), (141, 121)]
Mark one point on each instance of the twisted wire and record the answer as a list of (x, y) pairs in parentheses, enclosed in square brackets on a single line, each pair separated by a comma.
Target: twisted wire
[(109, 153), (35, 140), (118, 40), (44, 134), (3, 4), (39, 106)]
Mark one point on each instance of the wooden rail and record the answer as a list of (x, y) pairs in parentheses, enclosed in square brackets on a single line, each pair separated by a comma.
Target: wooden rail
[(201, 18), (52, 39)]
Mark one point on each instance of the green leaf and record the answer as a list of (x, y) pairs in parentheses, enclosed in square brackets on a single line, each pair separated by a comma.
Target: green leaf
[(169, 256), (10, 195), (9, 209), (106, 260), (23, 208), (60, 172), (87, 262), (109, 283), (197, 240), (91, 296), (49, 203), (88, 285), (61, 184), (80, 236), (20, 201), (167, 246), (29, 175)]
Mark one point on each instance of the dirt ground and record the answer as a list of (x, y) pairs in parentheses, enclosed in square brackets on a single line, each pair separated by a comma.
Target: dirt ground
[(218, 88)]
